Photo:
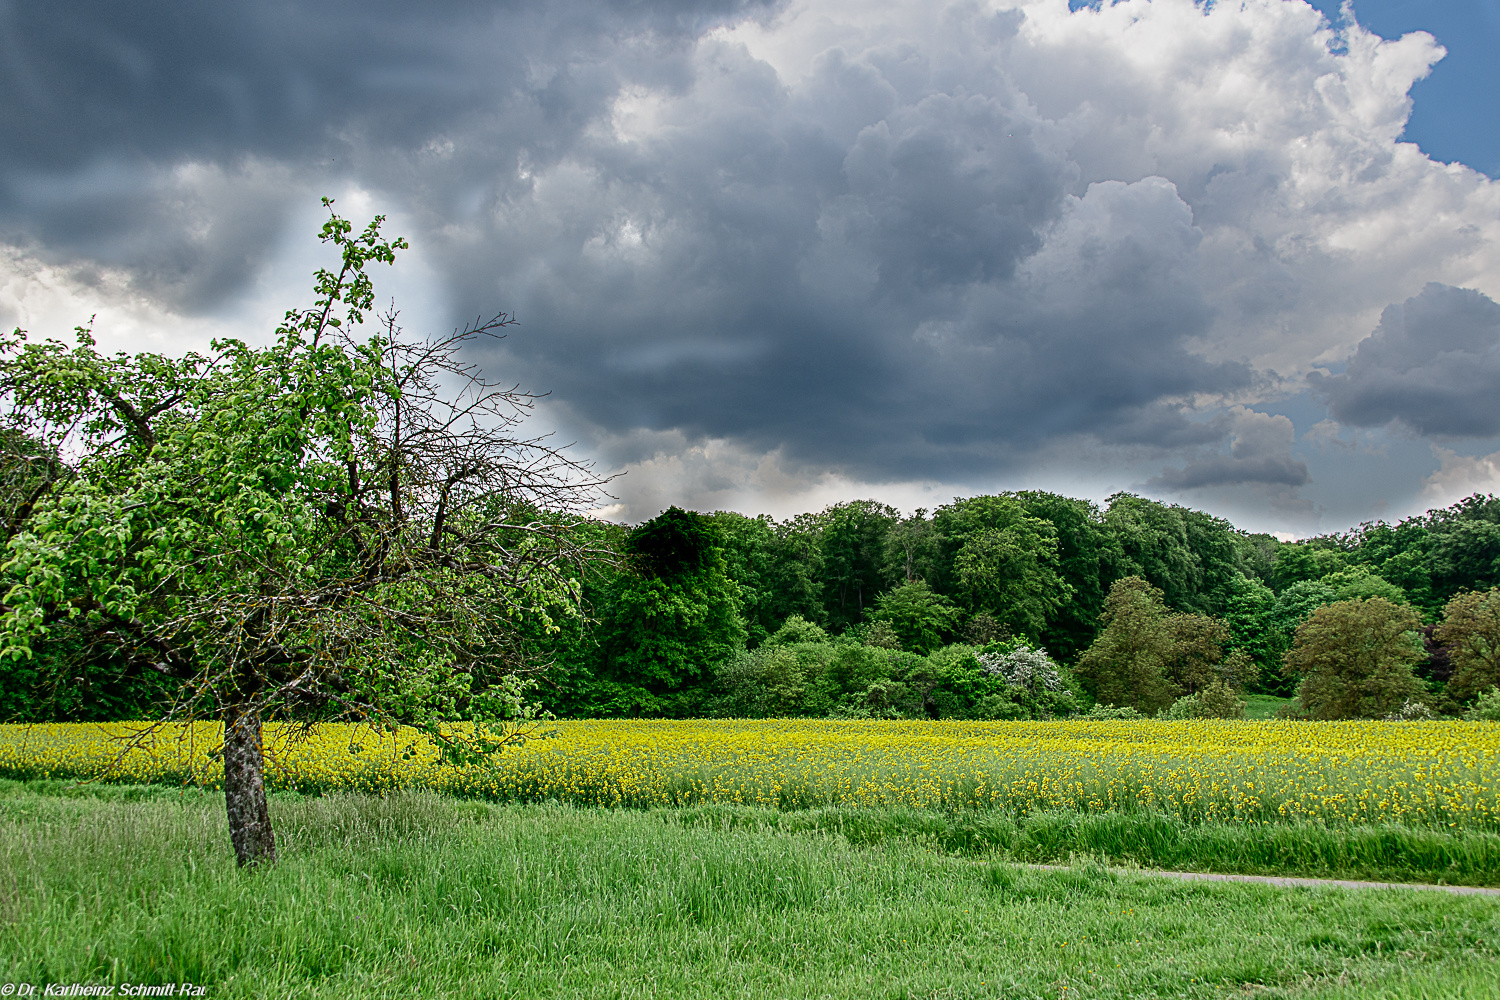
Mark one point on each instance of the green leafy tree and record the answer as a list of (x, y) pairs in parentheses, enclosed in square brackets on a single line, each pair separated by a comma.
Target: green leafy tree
[(922, 620), (1192, 557), (1470, 631), (1004, 561), (1465, 546), (1200, 654), (325, 528), (772, 568), (797, 629), (912, 549), (1309, 560), (1081, 554), (1291, 608), (1399, 553), (1146, 656), (1360, 581), (672, 622), (1355, 659), (1126, 664), (1248, 613), (851, 542)]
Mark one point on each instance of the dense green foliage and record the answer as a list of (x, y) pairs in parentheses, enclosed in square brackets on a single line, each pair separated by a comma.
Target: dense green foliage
[(900, 605), (681, 620)]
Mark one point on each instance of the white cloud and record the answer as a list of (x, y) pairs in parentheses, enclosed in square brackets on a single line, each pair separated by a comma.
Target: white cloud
[(1459, 476)]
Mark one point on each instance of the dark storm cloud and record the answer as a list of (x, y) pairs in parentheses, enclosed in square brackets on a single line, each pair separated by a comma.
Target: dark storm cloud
[(889, 267), (1433, 364), (102, 103), (84, 80), (1259, 454), (870, 275)]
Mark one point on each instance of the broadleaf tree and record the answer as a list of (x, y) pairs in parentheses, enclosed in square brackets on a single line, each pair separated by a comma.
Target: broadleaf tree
[(333, 527)]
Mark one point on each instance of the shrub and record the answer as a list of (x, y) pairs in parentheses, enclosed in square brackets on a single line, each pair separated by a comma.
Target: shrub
[(1216, 701), (1024, 667), (1113, 712), (1486, 708), (1412, 711)]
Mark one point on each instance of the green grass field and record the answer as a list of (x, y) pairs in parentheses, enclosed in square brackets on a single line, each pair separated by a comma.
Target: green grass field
[(419, 895), (1264, 706)]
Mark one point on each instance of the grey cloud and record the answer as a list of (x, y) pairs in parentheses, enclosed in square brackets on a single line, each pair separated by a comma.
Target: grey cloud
[(1433, 365), (1281, 470), (890, 267), (101, 104), (85, 78), (1259, 453)]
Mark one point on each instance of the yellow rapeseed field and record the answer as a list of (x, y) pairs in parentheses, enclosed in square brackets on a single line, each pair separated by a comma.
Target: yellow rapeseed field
[(1442, 774)]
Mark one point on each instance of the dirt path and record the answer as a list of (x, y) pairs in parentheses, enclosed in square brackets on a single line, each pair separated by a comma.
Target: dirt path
[(1310, 883)]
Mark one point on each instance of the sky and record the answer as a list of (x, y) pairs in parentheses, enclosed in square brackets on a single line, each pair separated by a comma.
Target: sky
[(768, 256)]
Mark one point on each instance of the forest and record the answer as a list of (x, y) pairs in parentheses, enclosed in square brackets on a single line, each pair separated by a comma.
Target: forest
[(1014, 605), (1030, 605)]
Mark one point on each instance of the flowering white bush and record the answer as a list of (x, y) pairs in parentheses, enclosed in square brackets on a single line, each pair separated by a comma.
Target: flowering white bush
[(1024, 666)]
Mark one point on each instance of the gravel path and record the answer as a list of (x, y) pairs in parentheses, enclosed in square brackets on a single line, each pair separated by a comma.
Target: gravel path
[(1311, 883)]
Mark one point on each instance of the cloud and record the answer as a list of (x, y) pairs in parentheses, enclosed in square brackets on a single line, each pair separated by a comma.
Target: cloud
[(1433, 364), (1459, 476), (1259, 453), (854, 243)]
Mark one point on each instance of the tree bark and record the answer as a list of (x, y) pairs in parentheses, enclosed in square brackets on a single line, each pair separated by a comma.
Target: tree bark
[(245, 788)]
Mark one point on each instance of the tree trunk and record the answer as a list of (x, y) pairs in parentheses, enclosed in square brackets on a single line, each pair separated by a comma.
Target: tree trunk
[(245, 788)]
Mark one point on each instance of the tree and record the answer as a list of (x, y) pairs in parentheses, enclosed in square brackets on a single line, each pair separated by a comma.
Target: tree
[(770, 567), (1470, 631), (1464, 551), (921, 619), (1146, 657), (1080, 555), (1309, 560), (673, 621), (852, 545), (911, 548), (1247, 614), (1126, 663), (1361, 581), (1004, 561), (1191, 556), (1355, 659), (328, 528), (1196, 656)]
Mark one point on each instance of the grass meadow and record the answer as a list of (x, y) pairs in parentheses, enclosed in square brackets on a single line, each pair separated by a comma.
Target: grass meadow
[(792, 858), (419, 894)]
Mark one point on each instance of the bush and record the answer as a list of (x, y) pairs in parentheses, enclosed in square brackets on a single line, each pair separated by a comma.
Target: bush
[(1412, 711), (1486, 708), (1113, 712), (797, 629), (1216, 701), (1022, 666)]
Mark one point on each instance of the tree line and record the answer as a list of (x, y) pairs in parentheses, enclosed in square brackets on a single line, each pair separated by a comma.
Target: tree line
[(861, 610), (1139, 603)]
